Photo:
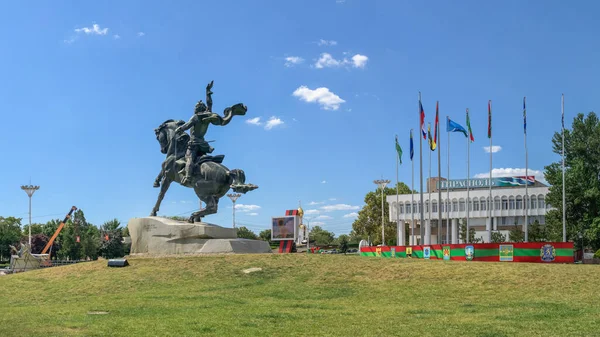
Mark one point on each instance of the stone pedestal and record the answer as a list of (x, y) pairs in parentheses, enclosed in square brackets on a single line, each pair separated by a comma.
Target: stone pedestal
[(162, 236)]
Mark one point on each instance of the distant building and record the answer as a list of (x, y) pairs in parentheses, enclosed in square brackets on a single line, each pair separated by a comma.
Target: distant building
[(508, 207)]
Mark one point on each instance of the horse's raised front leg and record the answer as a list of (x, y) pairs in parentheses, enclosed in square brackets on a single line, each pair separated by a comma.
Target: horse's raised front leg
[(159, 178), (161, 195)]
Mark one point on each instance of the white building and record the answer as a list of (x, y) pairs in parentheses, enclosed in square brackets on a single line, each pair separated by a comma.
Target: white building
[(507, 210)]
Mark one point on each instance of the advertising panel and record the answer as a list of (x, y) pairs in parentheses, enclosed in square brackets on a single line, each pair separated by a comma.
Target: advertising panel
[(284, 228)]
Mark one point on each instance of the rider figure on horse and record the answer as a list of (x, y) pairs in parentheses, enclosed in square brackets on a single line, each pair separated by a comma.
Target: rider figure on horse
[(198, 124)]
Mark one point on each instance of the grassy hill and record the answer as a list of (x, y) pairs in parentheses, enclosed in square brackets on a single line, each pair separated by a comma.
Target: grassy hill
[(302, 295)]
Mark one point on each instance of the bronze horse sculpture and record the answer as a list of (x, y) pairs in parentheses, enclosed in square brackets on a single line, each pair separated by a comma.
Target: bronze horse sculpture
[(210, 179)]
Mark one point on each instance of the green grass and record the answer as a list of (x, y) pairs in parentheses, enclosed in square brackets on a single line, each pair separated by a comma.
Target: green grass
[(302, 295)]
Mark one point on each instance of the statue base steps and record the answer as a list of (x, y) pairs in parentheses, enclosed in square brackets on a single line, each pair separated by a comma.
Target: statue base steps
[(162, 236)]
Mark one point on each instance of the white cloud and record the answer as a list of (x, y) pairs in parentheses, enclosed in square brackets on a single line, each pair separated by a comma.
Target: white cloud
[(339, 207), (312, 203), (512, 172), (94, 30), (246, 208), (253, 214), (332, 199), (327, 42), (116, 36), (324, 217), (318, 223), (312, 211), (322, 96), (273, 122), (324, 182), (351, 215), (291, 61), (140, 34), (254, 121), (359, 61), (495, 148), (340, 1), (328, 61)]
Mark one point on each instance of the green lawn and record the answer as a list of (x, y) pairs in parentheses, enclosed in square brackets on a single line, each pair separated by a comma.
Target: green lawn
[(302, 295)]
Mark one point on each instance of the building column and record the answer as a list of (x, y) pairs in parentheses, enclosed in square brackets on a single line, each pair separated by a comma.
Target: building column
[(495, 225), (400, 229), (427, 239), (488, 230), (454, 233)]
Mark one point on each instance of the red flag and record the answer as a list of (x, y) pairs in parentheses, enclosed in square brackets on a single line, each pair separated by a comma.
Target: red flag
[(77, 238)]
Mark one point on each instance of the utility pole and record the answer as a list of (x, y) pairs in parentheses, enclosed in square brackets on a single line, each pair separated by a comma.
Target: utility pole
[(234, 197), (382, 183), (30, 189)]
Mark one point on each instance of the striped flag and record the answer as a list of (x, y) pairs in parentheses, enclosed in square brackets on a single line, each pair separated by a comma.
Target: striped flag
[(422, 120), (412, 150), (399, 150), (469, 127), (490, 119), (430, 140), (524, 117)]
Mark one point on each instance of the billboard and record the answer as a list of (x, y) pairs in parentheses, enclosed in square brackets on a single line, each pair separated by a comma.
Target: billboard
[(284, 228), (485, 183)]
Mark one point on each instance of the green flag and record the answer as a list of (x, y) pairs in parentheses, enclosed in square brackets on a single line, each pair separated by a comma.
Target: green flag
[(469, 128), (399, 150)]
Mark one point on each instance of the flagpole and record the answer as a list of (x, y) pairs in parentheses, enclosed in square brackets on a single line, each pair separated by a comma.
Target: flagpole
[(468, 173), (399, 237), (448, 204), (440, 224), (564, 219), (526, 174), (428, 226), (422, 215), (491, 202), (412, 202)]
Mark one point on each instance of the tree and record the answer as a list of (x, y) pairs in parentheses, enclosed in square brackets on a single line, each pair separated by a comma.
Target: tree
[(498, 237), (463, 233), (111, 245), (265, 235), (245, 233), (343, 242), (38, 242), (10, 234), (516, 234), (36, 228), (582, 164), (368, 223), (536, 232), (125, 231), (110, 226), (321, 237)]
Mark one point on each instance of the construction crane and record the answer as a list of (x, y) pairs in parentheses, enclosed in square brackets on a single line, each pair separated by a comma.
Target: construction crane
[(60, 227)]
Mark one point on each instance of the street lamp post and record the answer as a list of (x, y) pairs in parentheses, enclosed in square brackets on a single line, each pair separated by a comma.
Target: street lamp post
[(382, 183), (30, 189), (234, 197)]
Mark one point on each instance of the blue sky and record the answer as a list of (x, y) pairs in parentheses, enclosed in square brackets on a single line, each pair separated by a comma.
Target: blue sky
[(79, 102)]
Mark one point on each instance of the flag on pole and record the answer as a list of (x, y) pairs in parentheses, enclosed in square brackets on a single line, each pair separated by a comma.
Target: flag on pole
[(452, 126), (412, 150), (563, 112), (435, 125), (430, 140), (524, 117), (422, 120), (469, 127), (399, 150), (490, 119)]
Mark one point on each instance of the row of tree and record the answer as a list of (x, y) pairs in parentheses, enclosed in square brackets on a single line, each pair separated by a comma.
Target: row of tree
[(78, 239), (318, 236), (582, 176)]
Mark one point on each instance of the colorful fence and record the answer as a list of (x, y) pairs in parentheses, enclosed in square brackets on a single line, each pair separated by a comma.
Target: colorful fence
[(542, 252)]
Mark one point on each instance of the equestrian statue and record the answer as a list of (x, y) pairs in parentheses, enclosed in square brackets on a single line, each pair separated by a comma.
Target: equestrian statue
[(189, 161)]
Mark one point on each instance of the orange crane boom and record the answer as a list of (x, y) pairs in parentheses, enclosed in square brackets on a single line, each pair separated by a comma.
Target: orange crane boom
[(60, 227)]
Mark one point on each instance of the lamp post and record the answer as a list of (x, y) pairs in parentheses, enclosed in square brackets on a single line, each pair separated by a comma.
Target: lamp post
[(234, 197), (30, 189), (382, 183)]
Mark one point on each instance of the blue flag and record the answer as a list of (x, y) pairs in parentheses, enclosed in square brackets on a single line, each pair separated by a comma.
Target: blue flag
[(452, 126), (412, 151)]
